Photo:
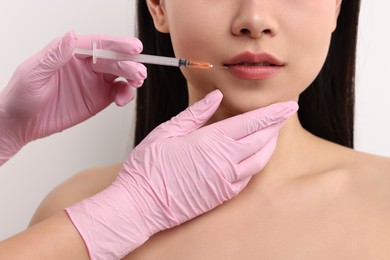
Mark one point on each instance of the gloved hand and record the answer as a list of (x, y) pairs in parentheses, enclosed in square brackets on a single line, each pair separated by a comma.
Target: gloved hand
[(179, 171), (53, 90)]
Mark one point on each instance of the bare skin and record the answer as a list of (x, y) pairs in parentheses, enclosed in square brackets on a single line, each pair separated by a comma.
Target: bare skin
[(314, 199), (322, 202)]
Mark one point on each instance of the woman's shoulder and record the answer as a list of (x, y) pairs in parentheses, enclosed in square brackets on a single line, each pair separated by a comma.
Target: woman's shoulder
[(366, 163), (370, 174), (80, 186), (352, 161)]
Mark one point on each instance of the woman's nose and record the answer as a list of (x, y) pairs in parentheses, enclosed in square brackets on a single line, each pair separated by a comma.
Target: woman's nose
[(254, 19)]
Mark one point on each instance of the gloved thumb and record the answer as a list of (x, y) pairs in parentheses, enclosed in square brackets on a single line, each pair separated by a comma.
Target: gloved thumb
[(193, 117)]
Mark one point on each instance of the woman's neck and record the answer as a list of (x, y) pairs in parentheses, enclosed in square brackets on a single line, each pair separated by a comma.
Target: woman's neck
[(291, 152)]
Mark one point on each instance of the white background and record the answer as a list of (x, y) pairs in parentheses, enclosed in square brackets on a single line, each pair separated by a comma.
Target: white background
[(27, 26)]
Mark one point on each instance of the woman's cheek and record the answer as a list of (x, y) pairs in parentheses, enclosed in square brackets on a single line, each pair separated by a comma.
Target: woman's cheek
[(188, 48)]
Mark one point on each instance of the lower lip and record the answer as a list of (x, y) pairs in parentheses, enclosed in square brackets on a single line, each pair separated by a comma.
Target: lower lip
[(254, 72)]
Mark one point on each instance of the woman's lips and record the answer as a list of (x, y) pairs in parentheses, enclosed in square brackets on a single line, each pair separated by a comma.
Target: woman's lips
[(253, 66)]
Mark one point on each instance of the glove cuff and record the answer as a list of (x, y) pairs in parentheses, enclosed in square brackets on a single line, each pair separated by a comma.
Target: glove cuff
[(111, 223)]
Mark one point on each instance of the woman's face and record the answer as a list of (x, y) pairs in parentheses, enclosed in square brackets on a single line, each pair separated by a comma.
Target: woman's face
[(274, 48)]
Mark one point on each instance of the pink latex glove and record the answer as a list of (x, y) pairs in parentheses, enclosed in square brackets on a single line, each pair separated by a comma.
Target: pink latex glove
[(179, 171), (53, 90)]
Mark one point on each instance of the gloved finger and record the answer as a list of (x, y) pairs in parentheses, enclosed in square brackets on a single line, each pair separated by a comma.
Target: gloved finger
[(122, 93), (239, 185), (253, 143), (190, 119), (133, 71), (255, 163), (121, 44), (196, 115), (245, 124), (55, 55), (134, 83), (110, 78)]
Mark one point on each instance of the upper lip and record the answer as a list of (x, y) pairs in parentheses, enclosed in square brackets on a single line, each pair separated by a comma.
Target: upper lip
[(249, 57)]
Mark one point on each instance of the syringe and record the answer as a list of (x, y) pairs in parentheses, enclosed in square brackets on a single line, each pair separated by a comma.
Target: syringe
[(96, 53)]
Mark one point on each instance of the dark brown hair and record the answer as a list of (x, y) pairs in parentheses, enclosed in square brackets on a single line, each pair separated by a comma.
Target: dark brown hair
[(326, 106)]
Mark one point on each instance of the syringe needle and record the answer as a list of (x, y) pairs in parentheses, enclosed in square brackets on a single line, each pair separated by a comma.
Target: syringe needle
[(143, 58)]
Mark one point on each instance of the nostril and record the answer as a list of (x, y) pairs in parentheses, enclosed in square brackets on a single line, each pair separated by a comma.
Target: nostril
[(255, 33), (267, 31), (245, 31)]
